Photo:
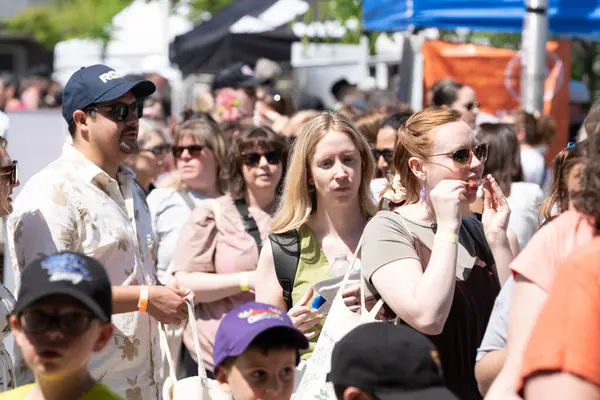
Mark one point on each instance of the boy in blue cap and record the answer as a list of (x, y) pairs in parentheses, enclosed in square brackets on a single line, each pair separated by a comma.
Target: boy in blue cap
[(256, 352)]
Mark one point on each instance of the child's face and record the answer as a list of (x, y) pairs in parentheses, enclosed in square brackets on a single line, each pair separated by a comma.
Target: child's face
[(52, 353), (258, 376)]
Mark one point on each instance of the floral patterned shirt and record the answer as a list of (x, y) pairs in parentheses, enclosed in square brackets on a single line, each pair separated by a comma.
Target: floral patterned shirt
[(7, 370), (74, 205)]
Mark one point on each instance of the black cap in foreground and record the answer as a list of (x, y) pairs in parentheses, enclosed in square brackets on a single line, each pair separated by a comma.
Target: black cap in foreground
[(71, 274), (390, 362), (96, 84)]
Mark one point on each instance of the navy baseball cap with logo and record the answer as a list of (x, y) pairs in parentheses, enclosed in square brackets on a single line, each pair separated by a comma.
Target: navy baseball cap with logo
[(244, 323), (390, 362), (76, 275), (96, 84)]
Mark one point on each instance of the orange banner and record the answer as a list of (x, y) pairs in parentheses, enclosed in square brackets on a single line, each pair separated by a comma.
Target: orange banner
[(495, 75)]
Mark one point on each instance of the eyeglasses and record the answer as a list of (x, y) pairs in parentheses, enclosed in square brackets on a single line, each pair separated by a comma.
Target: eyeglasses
[(253, 159), (12, 171), (71, 324), (463, 157), (387, 154), (472, 105), (195, 150), (120, 111), (159, 150)]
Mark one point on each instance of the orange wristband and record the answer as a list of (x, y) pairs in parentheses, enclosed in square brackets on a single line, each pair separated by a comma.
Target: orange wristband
[(143, 302)]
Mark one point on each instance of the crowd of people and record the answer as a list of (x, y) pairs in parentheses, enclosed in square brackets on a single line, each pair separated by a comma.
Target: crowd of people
[(155, 249)]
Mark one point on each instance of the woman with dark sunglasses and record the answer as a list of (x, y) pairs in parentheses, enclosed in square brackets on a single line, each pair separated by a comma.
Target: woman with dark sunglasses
[(439, 272), (198, 151), (383, 152), (151, 160), (218, 248), (8, 181), (447, 93)]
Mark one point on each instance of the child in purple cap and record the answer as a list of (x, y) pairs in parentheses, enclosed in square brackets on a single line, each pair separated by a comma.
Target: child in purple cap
[(256, 352)]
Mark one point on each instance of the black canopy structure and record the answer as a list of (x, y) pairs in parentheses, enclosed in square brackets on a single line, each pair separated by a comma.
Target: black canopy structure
[(243, 32)]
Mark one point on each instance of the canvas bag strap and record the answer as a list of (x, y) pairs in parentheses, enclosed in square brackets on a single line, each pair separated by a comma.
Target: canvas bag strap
[(164, 343), (192, 322), (187, 199)]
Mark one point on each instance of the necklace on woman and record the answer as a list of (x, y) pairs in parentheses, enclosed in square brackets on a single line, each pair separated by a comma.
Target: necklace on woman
[(432, 217)]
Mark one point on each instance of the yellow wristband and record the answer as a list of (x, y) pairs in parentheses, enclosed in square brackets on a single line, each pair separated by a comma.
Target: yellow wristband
[(143, 302), (244, 281), (449, 238)]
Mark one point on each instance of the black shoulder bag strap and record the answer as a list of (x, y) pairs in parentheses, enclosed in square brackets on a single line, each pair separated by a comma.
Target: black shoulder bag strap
[(286, 255), (188, 200), (249, 222)]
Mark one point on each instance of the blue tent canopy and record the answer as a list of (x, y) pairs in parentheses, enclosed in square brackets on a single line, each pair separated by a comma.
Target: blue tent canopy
[(566, 17)]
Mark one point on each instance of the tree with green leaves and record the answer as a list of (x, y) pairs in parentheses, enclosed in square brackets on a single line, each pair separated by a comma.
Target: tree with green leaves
[(59, 20)]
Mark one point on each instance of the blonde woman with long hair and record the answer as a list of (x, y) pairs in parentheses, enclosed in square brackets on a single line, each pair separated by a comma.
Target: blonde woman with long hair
[(325, 206)]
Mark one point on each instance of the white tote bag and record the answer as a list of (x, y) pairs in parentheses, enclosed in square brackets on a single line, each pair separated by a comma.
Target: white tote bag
[(196, 387), (174, 333), (339, 322)]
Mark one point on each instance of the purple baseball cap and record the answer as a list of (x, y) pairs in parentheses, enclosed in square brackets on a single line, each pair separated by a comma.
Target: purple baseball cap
[(244, 323)]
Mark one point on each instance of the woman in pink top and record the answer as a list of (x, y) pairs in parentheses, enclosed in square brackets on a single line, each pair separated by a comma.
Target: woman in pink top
[(535, 267), (218, 249)]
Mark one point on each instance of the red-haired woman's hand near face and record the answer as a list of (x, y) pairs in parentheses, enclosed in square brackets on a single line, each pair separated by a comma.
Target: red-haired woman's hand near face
[(445, 200), (496, 212)]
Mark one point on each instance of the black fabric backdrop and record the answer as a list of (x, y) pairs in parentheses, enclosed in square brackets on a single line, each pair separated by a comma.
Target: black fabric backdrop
[(210, 47)]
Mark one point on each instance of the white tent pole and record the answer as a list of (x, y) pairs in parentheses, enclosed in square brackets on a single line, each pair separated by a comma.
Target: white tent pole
[(166, 36), (417, 76), (535, 35)]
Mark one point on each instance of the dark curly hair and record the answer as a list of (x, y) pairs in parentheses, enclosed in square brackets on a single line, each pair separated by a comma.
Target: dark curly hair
[(254, 139), (588, 198)]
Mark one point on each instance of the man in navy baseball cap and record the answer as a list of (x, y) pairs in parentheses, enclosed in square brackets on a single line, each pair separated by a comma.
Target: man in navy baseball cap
[(98, 84), (89, 200), (256, 352), (103, 110)]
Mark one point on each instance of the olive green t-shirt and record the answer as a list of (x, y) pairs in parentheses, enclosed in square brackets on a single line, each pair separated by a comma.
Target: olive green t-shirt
[(313, 267), (391, 237)]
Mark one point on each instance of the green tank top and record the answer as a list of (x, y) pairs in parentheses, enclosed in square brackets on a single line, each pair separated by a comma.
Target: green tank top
[(313, 267)]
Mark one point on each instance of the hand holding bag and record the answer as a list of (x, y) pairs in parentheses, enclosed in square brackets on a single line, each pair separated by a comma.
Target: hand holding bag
[(196, 387), (339, 322)]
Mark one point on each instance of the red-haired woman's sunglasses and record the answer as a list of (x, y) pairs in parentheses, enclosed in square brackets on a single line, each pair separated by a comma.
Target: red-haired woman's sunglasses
[(463, 157)]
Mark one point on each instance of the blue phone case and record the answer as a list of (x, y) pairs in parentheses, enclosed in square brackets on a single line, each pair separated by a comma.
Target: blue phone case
[(318, 302)]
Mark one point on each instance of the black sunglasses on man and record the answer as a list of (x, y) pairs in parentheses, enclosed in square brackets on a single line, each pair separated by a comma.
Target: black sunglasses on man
[(119, 112)]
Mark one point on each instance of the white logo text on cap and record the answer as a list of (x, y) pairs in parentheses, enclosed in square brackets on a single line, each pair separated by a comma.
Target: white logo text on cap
[(110, 75)]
